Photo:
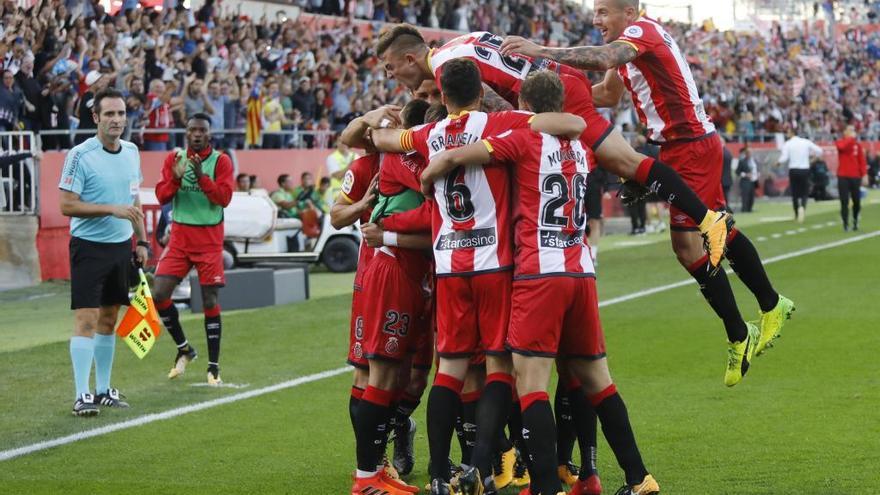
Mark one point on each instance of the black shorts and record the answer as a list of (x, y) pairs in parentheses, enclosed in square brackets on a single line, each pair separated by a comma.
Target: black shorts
[(99, 273)]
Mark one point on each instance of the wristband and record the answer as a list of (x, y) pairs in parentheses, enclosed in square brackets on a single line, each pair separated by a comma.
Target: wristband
[(143, 244), (389, 238)]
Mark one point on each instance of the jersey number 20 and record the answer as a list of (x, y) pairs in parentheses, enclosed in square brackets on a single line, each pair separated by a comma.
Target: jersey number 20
[(557, 186)]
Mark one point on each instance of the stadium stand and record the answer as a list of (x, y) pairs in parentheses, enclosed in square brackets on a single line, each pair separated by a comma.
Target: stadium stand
[(321, 74)]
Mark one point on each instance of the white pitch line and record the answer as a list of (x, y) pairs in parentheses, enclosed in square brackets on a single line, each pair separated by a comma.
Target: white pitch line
[(171, 413), (179, 411), (774, 259)]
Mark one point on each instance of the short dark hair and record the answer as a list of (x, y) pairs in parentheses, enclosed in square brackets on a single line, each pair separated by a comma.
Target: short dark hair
[(304, 174), (103, 95), (436, 113), (413, 113), (400, 38), (242, 176), (282, 179), (461, 82), (325, 181), (200, 116), (628, 3), (543, 92)]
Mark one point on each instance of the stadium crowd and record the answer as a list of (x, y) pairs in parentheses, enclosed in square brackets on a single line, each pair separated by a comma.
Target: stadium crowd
[(288, 75)]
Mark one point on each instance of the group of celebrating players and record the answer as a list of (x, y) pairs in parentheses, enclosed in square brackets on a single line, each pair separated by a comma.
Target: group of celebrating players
[(474, 219)]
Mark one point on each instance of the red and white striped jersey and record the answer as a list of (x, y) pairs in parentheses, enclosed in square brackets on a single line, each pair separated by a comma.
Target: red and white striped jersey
[(471, 218), (663, 88), (504, 74), (354, 188), (550, 212)]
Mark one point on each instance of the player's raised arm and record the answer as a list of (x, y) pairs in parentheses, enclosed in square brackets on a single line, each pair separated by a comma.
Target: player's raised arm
[(559, 124), (608, 92), (355, 134), (603, 57), (449, 160), (346, 212), (392, 140)]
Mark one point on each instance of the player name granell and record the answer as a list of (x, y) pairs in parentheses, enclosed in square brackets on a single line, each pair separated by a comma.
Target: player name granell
[(440, 143), (561, 240), (561, 155), (461, 239)]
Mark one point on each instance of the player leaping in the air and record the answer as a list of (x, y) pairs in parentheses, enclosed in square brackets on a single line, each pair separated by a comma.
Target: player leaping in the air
[(640, 56), (408, 59)]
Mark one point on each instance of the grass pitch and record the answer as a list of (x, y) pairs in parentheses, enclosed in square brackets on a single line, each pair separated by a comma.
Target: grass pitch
[(804, 420)]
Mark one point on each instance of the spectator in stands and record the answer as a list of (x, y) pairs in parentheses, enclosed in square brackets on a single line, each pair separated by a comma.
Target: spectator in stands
[(273, 118), (32, 94), (196, 99), (284, 197), (304, 100), (747, 171), (135, 100), (158, 108), (11, 102), (218, 119)]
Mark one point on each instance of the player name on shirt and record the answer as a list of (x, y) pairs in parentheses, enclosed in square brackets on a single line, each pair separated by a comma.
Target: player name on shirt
[(441, 142)]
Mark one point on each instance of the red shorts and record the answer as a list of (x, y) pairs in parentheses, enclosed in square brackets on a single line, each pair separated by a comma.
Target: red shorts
[(472, 313), (177, 262), (556, 316), (392, 306), (579, 101), (699, 164), (356, 333)]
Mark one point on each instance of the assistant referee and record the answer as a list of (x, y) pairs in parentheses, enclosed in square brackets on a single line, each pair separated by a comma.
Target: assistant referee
[(99, 191)]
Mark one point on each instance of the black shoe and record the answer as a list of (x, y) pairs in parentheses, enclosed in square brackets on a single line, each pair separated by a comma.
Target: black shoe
[(439, 487), (845, 228), (855, 225), (85, 406), (111, 399), (404, 458), (469, 483)]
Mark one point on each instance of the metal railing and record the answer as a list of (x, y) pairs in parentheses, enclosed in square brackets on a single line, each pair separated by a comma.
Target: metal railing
[(229, 138), (18, 173)]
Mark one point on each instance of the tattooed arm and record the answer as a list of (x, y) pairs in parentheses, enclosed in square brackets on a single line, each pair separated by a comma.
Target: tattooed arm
[(493, 102), (603, 57)]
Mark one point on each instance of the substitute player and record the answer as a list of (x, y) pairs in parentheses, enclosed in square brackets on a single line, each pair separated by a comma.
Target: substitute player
[(473, 253), (640, 56), (408, 59), (198, 182), (555, 310), (99, 191)]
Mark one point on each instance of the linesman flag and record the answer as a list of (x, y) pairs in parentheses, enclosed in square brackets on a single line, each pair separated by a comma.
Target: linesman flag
[(140, 326)]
